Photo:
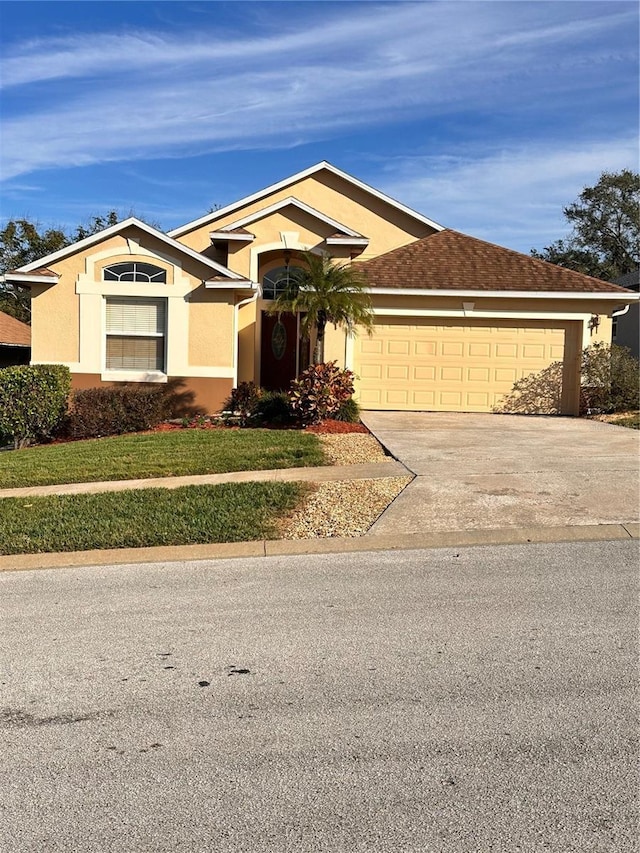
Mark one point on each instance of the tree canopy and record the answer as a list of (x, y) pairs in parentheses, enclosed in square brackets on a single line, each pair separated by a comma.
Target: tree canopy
[(325, 291), (22, 242), (605, 240)]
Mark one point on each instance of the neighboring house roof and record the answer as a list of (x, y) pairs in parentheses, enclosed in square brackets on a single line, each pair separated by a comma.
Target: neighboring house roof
[(312, 170), (449, 260), (631, 280), (13, 333), (38, 267)]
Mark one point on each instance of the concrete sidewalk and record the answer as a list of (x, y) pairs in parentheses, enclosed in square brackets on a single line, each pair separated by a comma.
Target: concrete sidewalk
[(320, 474)]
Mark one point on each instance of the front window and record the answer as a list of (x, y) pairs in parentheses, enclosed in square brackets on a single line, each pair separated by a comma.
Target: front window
[(276, 281), (135, 271), (136, 331)]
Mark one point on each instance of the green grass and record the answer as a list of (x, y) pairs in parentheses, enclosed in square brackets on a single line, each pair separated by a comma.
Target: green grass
[(163, 454), (631, 421), (232, 512)]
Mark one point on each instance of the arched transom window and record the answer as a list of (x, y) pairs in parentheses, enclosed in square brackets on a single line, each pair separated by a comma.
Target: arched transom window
[(276, 281), (134, 271)]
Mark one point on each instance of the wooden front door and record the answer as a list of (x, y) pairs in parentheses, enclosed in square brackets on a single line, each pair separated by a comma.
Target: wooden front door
[(278, 351)]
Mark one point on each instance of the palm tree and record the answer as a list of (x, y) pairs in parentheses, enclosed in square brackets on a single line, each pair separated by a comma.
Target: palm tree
[(325, 291)]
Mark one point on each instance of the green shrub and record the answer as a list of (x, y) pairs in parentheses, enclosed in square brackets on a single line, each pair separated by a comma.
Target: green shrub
[(274, 408), (535, 394), (33, 401), (96, 412), (349, 412), (610, 381), (319, 392), (242, 402)]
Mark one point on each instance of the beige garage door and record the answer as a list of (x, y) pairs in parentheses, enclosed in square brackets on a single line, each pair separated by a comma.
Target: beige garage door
[(457, 366)]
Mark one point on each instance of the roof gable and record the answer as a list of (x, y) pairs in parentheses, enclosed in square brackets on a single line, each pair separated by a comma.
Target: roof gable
[(291, 201), (177, 248), (312, 170), (452, 261)]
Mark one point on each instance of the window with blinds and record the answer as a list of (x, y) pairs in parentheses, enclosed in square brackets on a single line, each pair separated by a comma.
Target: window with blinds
[(136, 330)]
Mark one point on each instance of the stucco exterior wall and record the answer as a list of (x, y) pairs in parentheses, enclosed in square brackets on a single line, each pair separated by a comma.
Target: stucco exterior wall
[(69, 317), (384, 225), (210, 340)]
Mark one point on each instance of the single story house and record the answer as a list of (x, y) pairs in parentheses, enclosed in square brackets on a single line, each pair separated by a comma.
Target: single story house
[(15, 341), (457, 320)]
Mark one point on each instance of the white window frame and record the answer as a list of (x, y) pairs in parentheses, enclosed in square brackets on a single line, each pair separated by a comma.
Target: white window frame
[(122, 374)]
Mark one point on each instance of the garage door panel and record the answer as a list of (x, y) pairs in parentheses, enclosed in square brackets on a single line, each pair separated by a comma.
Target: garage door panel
[(451, 374), (424, 372), (479, 350), (505, 375), (460, 365), (398, 347), (477, 398), (422, 347), (398, 371), (478, 374)]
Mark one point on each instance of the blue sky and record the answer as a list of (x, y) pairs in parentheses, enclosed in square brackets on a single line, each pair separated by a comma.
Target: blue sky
[(487, 117)]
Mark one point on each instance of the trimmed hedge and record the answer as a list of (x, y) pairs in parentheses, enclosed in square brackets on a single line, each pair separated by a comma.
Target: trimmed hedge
[(33, 401), (96, 412)]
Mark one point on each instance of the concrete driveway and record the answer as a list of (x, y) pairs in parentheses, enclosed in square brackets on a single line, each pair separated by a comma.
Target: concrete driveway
[(477, 471)]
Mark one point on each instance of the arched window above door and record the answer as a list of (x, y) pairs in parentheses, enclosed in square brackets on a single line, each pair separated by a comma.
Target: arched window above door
[(275, 281)]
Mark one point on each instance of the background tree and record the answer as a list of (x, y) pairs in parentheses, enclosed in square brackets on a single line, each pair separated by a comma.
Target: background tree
[(325, 291), (22, 242), (605, 241)]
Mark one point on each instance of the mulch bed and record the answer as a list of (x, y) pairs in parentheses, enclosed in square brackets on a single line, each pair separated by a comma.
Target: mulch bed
[(330, 427), (327, 427)]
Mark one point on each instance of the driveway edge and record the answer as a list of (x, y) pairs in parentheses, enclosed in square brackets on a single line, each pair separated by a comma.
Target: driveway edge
[(284, 547)]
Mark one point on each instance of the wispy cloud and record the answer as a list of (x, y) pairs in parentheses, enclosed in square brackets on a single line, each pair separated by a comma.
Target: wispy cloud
[(513, 196), (108, 97)]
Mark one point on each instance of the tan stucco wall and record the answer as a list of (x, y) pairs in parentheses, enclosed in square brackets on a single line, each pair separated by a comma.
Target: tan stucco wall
[(384, 225), (68, 317), (211, 321)]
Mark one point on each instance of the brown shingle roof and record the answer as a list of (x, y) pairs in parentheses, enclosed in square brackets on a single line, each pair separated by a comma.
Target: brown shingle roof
[(449, 260), (233, 231), (43, 271), (13, 332)]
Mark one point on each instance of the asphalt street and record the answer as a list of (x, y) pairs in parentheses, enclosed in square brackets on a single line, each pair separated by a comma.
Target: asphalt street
[(475, 699)]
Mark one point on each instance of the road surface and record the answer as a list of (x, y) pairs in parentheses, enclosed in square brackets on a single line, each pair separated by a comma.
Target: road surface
[(481, 699)]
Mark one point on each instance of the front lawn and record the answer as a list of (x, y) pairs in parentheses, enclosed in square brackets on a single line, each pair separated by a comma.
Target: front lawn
[(631, 421), (161, 454), (232, 512)]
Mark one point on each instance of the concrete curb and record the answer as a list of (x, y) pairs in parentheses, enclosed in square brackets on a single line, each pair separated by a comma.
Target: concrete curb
[(274, 548)]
